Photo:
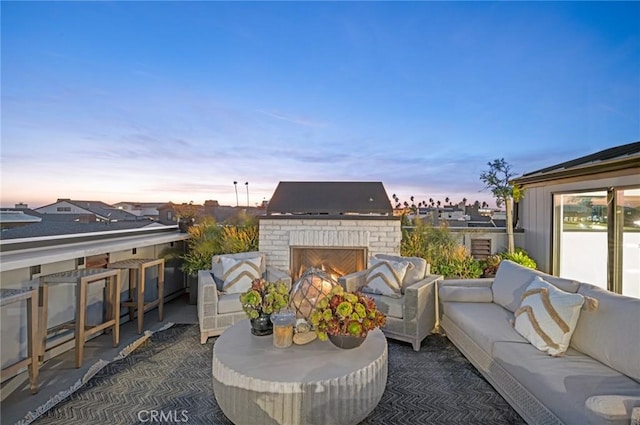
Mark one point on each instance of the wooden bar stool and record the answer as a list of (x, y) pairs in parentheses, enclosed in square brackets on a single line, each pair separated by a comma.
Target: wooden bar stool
[(83, 278), (9, 296), (137, 271)]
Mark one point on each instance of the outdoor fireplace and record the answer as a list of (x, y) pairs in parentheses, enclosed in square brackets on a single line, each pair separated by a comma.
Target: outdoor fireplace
[(332, 260), (334, 226)]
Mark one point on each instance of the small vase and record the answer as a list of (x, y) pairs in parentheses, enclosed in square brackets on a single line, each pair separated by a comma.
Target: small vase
[(346, 341), (262, 325)]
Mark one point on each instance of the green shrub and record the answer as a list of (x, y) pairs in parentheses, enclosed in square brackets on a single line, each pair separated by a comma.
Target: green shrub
[(439, 248), (458, 263), (521, 257), (490, 264), (209, 239)]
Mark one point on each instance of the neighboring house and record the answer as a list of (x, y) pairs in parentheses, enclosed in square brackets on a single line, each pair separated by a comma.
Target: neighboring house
[(65, 217), (17, 217), (101, 210), (582, 218), (141, 209), (57, 227), (225, 213), (170, 213)]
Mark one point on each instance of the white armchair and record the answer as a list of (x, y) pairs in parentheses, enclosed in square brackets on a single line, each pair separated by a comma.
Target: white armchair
[(218, 310), (412, 315)]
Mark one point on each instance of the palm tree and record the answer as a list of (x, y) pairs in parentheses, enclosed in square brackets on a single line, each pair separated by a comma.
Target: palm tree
[(446, 200)]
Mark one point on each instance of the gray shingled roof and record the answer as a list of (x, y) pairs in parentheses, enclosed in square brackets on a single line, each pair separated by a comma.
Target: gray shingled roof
[(52, 228), (104, 210), (612, 159), (330, 198), (100, 209)]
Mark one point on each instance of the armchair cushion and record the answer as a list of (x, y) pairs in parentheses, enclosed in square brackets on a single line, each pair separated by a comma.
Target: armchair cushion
[(239, 273), (415, 273), (384, 277), (233, 273), (392, 307), (229, 303)]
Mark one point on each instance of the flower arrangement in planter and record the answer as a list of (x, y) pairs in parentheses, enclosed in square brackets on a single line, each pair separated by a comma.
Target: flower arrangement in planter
[(264, 297), (343, 313)]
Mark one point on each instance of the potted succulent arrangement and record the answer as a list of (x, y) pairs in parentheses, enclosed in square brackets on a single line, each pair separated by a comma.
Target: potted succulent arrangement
[(260, 301), (490, 265), (345, 318)]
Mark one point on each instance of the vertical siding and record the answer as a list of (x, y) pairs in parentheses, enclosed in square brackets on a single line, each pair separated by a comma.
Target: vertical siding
[(537, 213)]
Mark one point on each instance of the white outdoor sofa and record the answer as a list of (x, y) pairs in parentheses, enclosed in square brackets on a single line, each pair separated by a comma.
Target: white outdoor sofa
[(597, 381)]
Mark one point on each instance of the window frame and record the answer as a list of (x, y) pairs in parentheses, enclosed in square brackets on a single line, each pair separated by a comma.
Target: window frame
[(615, 231)]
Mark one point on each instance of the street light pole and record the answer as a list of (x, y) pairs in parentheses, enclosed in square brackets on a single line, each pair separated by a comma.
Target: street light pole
[(235, 184), (247, 185)]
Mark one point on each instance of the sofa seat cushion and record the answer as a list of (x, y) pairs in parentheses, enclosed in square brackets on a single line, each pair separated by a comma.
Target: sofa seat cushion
[(484, 323), (392, 307), (229, 303), (563, 384), (512, 279)]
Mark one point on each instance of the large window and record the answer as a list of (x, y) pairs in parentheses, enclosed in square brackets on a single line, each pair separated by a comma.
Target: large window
[(597, 238)]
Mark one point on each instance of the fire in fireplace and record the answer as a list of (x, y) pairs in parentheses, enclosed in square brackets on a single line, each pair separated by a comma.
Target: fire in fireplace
[(334, 261)]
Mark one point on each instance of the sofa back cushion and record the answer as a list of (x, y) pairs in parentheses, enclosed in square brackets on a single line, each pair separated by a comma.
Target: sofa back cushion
[(512, 279), (611, 333), (414, 274)]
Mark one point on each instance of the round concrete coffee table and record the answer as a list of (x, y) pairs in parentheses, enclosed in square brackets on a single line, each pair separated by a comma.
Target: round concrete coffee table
[(317, 383)]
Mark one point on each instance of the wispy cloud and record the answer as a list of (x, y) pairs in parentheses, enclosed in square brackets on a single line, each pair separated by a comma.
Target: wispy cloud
[(293, 119)]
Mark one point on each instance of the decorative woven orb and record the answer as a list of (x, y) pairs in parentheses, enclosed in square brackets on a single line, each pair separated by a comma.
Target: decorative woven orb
[(313, 285)]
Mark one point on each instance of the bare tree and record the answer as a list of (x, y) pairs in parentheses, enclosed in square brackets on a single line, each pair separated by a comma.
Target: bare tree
[(497, 179)]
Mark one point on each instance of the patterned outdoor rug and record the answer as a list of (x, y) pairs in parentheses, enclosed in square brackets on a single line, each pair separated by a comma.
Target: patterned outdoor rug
[(168, 380)]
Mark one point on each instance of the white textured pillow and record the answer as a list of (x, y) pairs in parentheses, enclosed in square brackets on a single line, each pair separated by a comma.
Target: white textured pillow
[(548, 316), (238, 274), (385, 277)]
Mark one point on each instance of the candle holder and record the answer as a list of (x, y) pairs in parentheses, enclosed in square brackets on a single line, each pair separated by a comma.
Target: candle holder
[(283, 322)]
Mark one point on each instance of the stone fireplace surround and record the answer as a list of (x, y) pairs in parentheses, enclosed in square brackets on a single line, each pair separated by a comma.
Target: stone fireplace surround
[(280, 233)]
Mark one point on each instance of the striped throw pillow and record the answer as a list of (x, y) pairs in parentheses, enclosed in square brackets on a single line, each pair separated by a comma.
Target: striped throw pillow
[(385, 277), (237, 275), (548, 316)]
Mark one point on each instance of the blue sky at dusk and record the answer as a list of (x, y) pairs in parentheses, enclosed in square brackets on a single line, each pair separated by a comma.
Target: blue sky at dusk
[(173, 101)]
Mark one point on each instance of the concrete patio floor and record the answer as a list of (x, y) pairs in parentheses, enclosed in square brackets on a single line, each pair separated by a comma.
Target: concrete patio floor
[(59, 373)]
